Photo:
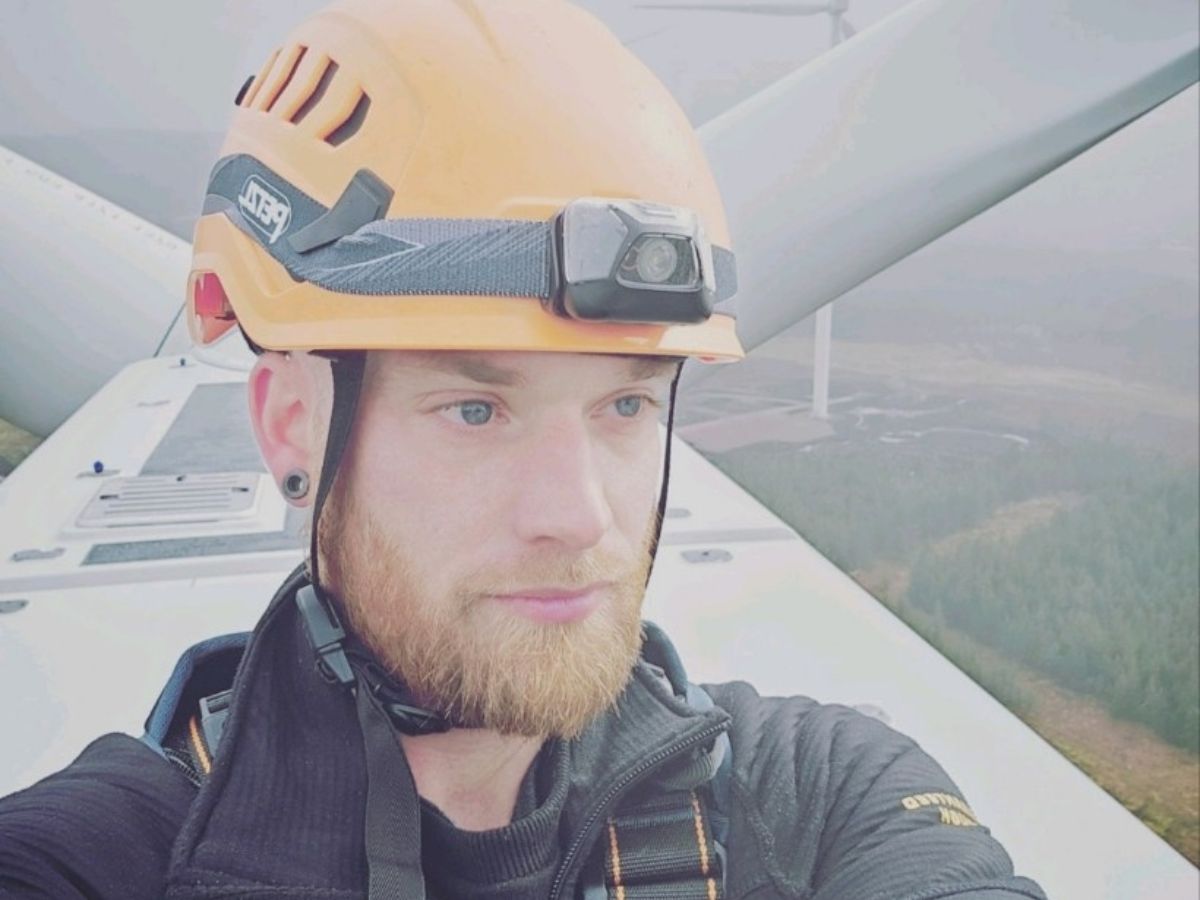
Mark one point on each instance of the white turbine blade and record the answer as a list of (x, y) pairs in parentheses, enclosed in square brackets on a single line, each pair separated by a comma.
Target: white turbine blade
[(85, 288), (761, 9), (921, 122)]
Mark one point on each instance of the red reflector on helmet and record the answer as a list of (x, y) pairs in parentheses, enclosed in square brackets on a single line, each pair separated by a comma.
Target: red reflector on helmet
[(211, 312), (209, 297)]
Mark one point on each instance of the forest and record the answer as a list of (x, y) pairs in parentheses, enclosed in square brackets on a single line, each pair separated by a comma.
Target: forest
[(1103, 598)]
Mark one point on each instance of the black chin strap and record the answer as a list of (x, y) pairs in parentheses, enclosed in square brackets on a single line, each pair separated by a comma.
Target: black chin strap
[(661, 514), (347, 369)]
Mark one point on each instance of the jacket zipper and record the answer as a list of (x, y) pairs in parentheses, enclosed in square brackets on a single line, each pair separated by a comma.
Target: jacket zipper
[(585, 833)]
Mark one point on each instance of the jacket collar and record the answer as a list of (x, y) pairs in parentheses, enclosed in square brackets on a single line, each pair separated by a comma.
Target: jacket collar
[(284, 803)]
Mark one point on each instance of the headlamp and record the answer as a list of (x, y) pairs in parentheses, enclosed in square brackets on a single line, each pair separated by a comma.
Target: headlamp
[(631, 261), (596, 260)]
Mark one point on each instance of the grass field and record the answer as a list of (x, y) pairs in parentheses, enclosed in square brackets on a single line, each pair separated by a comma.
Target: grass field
[(15, 445)]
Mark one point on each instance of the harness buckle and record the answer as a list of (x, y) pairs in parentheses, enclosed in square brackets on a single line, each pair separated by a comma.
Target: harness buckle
[(214, 710)]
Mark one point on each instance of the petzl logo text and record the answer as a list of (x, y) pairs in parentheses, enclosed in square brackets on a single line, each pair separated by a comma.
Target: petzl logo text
[(265, 208)]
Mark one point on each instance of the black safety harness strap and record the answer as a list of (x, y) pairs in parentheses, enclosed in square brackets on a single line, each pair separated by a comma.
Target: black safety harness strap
[(393, 817), (662, 848), (669, 843)]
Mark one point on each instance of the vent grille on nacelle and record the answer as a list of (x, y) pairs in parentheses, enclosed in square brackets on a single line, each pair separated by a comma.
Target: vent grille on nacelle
[(171, 500)]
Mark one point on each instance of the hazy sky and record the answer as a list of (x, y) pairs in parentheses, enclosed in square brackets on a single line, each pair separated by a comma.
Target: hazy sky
[(75, 66)]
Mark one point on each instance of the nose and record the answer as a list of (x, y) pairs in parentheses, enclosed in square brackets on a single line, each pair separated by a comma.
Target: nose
[(561, 495)]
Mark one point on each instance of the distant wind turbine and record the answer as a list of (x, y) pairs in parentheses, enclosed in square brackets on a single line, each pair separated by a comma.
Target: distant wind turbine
[(839, 30)]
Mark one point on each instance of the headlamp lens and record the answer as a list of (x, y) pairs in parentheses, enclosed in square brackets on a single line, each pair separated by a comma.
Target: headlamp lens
[(656, 259)]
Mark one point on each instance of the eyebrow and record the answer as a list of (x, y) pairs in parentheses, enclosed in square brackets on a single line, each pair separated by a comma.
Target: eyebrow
[(478, 369), (642, 367)]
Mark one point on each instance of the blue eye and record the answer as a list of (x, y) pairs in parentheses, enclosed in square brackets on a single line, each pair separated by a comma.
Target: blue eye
[(628, 406), (476, 412)]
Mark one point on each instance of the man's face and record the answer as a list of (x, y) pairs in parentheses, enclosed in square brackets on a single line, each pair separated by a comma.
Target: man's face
[(489, 532)]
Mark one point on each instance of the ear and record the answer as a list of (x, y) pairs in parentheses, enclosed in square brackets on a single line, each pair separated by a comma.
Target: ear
[(284, 404)]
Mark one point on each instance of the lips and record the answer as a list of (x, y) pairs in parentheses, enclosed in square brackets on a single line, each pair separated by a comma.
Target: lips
[(554, 604)]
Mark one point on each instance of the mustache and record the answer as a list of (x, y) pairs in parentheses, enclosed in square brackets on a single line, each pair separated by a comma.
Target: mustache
[(574, 573)]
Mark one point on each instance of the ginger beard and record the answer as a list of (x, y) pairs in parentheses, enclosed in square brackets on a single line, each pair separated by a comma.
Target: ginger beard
[(467, 657)]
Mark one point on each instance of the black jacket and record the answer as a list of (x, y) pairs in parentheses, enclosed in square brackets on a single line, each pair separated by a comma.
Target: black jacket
[(823, 802)]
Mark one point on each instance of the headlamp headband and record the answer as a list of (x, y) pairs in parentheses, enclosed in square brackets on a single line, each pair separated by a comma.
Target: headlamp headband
[(596, 260)]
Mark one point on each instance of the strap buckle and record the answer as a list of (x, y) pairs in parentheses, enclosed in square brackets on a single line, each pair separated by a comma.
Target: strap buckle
[(214, 710), (325, 634), (405, 717)]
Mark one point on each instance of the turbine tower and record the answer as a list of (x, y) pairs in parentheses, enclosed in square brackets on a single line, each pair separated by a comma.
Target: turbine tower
[(839, 30)]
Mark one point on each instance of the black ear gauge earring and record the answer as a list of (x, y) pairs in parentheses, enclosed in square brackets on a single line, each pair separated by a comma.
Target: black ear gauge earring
[(295, 484)]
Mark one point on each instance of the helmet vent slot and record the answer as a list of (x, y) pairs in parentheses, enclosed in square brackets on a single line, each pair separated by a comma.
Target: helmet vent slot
[(291, 63), (237, 101), (315, 97), (252, 91), (353, 123)]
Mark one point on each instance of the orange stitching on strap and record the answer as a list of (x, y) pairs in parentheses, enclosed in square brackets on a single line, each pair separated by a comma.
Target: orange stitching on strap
[(699, 817), (198, 744), (616, 859)]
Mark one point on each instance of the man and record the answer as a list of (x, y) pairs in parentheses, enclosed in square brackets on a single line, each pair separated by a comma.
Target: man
[(464, 352)]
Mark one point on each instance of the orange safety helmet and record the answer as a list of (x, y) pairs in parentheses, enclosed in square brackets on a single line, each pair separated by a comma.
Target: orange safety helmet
[(461, 131)]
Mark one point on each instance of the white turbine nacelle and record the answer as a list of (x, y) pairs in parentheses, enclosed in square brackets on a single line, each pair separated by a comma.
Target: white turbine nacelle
[(85, 289)]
